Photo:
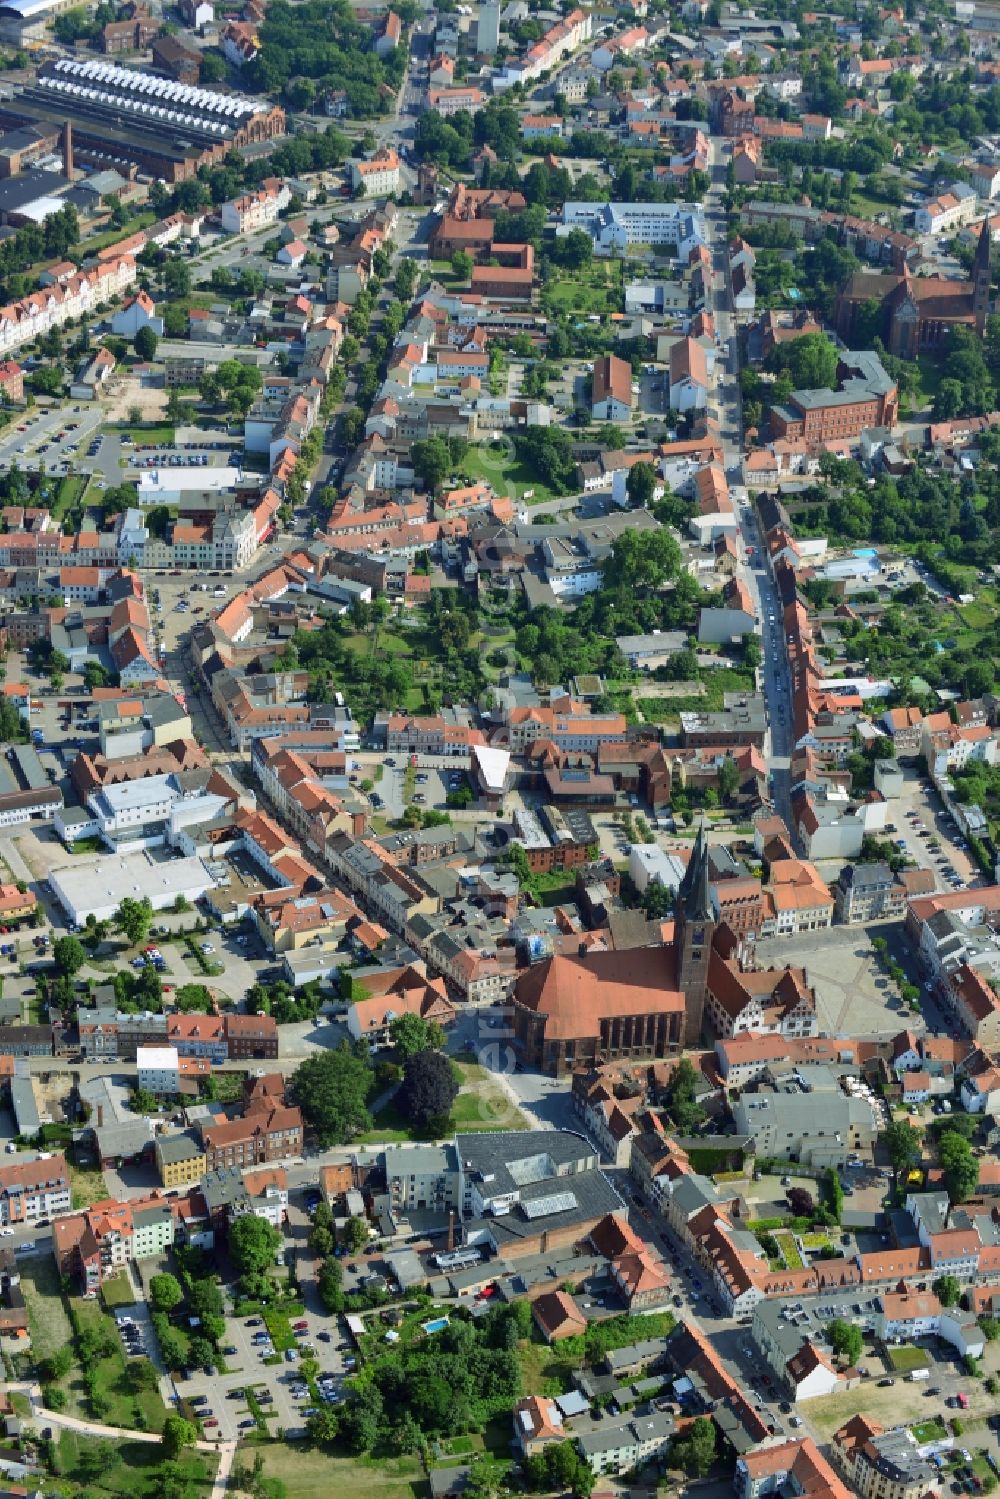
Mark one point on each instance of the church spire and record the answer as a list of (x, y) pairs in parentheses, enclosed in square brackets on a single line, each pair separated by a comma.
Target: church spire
[(694, 894), (982, 277)]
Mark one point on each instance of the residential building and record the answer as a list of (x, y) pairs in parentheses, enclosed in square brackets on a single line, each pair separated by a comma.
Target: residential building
[(256, 1139), (180, 1159), (611, 398), (868, 892), (33, 1188)]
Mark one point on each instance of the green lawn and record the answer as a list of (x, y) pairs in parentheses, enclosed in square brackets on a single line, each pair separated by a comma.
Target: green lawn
[(929, 1431), (151, 433), (50, 1326), (68, 495), (906, 1358), (594, 290), (507, 475), (128, 1468), (112, 236), (279, 1327), (481, 1105), (310, 1474), (117, 1291)]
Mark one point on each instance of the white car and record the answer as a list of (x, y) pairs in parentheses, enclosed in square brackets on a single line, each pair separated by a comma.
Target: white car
[(207, 947)]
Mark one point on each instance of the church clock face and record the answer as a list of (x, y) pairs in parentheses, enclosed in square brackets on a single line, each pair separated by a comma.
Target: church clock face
[(698, 936)]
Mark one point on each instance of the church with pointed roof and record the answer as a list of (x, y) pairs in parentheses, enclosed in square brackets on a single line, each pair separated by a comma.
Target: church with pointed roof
[(582, 1010), (917, 313)]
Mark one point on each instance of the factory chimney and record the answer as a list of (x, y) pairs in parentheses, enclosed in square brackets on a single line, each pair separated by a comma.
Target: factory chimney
[(67, 145)]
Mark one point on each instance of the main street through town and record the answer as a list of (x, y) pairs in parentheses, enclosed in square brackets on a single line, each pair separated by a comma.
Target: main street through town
[(752, 563)]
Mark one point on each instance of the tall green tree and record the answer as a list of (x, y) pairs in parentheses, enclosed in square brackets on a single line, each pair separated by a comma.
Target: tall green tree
[(332, 1090)]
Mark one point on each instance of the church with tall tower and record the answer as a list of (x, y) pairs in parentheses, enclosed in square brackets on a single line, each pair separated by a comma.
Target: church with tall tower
[(917, 313), (577, 1010), (694, 929)]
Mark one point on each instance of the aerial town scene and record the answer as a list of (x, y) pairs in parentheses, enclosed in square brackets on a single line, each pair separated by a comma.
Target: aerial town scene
[(499, 749)]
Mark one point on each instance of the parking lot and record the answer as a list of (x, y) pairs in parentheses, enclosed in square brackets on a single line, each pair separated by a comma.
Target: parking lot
[(930, 835), (280, 1391), (430, 786)]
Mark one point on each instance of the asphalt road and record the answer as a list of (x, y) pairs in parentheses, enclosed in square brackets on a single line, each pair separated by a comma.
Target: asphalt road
[(727, 403)]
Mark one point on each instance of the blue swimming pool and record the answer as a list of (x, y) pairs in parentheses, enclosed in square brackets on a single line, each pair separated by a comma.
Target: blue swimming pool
[(436, 1325)]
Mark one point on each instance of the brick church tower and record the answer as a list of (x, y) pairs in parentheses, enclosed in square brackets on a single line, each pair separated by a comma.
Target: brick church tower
[(982, 277), (693, 933)]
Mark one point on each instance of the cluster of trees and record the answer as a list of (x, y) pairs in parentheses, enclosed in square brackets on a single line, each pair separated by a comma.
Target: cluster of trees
[(198, 1293), (944, 109), (454, 1382), (680, 1101), (51, 240), (310, 50), (238, 383), (962, 516), (959, 1162), (285, 1003), (82, 25), (332, 1089), (967, 387), (427, 1091), (808, 363), (558, 1469), (548, 452)]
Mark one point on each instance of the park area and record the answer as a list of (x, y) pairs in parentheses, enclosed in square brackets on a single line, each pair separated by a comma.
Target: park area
[(96, 1467), (499, 465), (593, 290), (481, 1104)]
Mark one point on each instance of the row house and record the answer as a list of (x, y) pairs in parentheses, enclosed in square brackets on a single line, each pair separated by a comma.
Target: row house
[(92, 1246), (30, 1190), (50, 307), (256, 1139)]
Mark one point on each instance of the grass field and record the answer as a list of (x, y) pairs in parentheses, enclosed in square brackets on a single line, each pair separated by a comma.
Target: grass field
[(481, 1105), (596, 289), (506, 474), (50, 1326), (544, 1370), (133, 1468), (153, 434), (310, 1474), (111, 236), (907, 1357), (68, 495), (893, 1406), (87, 1184)]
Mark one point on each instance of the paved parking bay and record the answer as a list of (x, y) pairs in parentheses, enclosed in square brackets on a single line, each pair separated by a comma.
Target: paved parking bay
[(246, 1367)]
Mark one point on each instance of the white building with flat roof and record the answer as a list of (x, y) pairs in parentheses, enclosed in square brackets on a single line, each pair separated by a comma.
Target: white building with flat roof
[(157, 1069), (173, 486), (100, 885)]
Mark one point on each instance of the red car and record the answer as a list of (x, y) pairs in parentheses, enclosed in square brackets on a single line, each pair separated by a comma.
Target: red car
[(213, 1421), (302, 1326)]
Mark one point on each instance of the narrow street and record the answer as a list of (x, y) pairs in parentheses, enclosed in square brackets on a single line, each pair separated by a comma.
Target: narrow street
[(752, 567)]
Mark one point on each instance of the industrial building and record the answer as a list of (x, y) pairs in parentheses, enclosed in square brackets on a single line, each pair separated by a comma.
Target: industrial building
[(123, 116), (100, 885)]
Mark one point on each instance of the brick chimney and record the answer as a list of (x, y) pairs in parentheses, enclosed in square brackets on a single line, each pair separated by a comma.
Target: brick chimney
[(67, 145)]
